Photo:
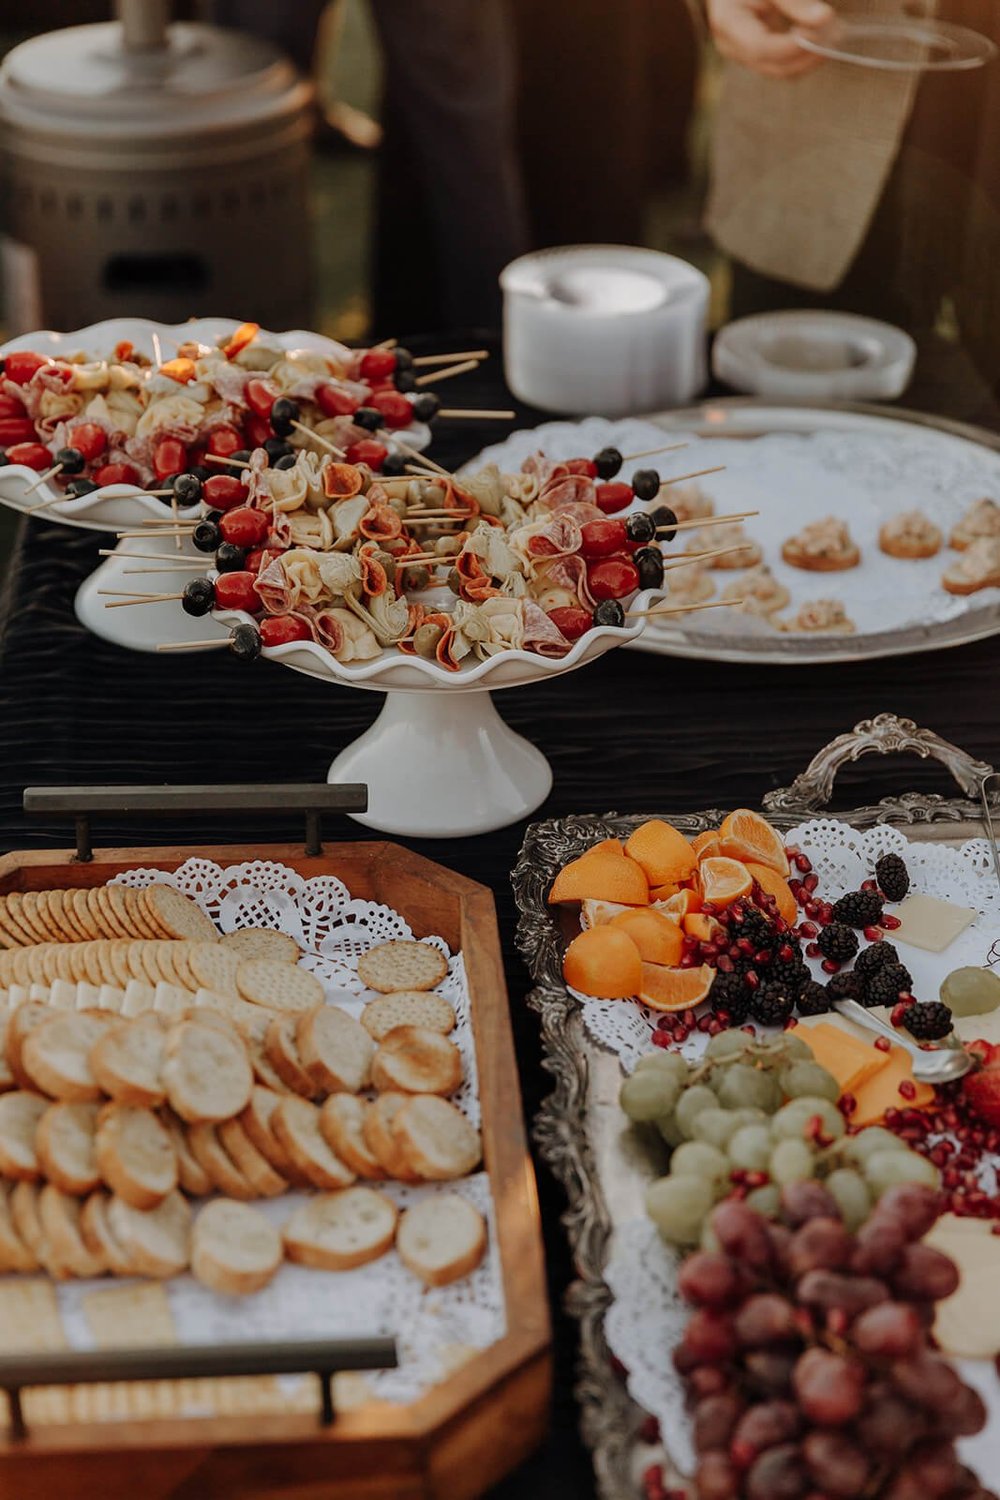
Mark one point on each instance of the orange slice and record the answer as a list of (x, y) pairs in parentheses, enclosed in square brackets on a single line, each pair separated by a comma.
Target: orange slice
[(597, 913), (678, 904), (746, 835), (663, 893), (604, 873), (674, 989), (603, 963), (658, 940), (706, 843), (665, 855), (724, 880), (697, 925), (776, 885)]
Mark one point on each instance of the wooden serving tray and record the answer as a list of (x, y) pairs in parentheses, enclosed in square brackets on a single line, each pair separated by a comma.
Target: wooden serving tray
[(460, 1437)]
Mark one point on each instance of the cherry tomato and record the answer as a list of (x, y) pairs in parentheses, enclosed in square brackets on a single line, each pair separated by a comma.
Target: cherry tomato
[(21, 364), (613, 497), (585, 466), (368, 451), (334, 402), (377, 364), (396, 410), (236, 591), (89, 439), (224, 440), (261, 396), (259, 558), (16, 430), (613, 578), (572, 620), (32, 455), (224, 492), (279, 630), (258, 430), (244, 527), (116, 474), (10, 406), (169, 457), (602, 538)]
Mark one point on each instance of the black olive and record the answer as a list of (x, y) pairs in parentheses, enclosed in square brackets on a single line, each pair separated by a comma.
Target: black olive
[(640, 527), (215, 516), (198, 596), (71, 460), (394, 464), (242, 455), (202, 472), (406, 380), (187, 489), (404, 359), (645, 484), (609, 612), (368, 417), (276, 448), (167, 483), (228, 557), (77, 487), (607, 463), (649, 561), (283, 413), (426, 406), (244, 642), (287, 461), (664, 519), (206, 536)]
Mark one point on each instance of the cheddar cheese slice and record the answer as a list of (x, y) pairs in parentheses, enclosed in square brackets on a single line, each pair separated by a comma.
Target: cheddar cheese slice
[(882, 1091), (852, 1062)]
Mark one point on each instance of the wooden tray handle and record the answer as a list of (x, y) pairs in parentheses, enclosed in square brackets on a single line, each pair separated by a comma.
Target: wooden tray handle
[(886, 734), (171, 801)]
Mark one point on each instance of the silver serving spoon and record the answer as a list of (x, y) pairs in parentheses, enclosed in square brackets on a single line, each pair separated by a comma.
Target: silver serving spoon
[(943, 1066)]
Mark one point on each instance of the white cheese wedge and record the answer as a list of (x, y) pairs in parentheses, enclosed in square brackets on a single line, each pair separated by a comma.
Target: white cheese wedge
[(170, 999), (929, 923), (16, 995), (62, 994), (138, 997)]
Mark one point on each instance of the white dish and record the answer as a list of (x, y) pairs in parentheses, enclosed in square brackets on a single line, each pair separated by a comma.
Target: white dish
[(900, 44), (818, 356)]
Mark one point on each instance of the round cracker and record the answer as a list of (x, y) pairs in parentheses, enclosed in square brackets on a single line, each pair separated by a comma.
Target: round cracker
[(214, 968), (262, 942), (80, 901), (178, 915), (402, 965), (279, 986), (25, 906), (407, 1008)]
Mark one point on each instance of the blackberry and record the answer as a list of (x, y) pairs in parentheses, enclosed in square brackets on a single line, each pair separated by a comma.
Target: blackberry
[(893, 877), (849, 986), (870, 959), (771, 1005), (859, 909), (729, 993), (750, 922), (814, 999), (792, 973), (837, 942), (885, 986), (930, 1022)]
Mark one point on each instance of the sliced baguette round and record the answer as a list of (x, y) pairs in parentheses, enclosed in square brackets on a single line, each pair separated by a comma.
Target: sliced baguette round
[(66, 1145), (257, 1121), (20, 1112), (23, 1021), (402, 965), (282, 1052), (95, 1228), (127, 1061), (7, 1079), (60, 1218), (262, 942), (338, 1231), (407, 1008), (279, 986), (191, 1174), (376, 1127), (436, 1139), (135, 1155), (23, 1203), (156, 1242), (177, 916), (56, 1054), (296, 1124), (414, 1060), (234, 1249), (15, 1255), (441, 1239), (335, 1049), (206, 1072), (212, 1156), (262, 1177), (341, 1120)]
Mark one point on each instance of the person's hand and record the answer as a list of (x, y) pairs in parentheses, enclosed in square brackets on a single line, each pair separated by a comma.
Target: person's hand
[(757, 33)]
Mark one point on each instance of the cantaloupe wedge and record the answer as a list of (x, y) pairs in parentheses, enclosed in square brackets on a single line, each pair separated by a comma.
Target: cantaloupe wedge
[(604, 963), (604, 873), (665, 855), (658, 940)]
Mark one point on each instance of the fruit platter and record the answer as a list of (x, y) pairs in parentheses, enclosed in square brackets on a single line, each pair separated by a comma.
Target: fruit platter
[(777, 1117)]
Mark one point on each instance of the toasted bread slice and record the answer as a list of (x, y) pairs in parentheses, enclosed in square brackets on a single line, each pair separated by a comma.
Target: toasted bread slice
[(207, 1073), (437, 1140), (414, 1060), (338, 1231), (212, 1156), (60, 1218), (191, 1174), (441, 1239), (20, 1112), (376, 1127), (66, 1145), (23, 1203), (402, 965), (15, 1255), (135, 1155), (177, 916), (279, 986), (262, 942), (257, 1121), (22, 1022), (335, 1049), (282, 1052), (157, 1242), (341, 1120), (56, 1054), (407, 1008), (7, 1079), (95, 1229), (234, 1249), (296, 1124), (128, 1062), (265, 1181)]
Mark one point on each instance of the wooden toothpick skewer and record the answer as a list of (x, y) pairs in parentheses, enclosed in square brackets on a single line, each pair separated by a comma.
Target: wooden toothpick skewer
[(202, 561), (49, 474), (681, 609), (131, 536), (143, 599), (698, 522), (648, 452), (683, 559), (188, 645), (386, 344), (436, 375), (450, 359), (29, 510), (216, 458), (318, 438), (428, 463), (167, 567), (695, 474), (472, 414)]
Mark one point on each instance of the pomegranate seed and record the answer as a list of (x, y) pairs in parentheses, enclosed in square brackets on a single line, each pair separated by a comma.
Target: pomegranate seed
[(716, 1024), (789, 1023), (709, 951), (749, 1029), (868, 885), (836, 1321), (882, 1043), (763, 958), (723, 919), (688, 961), (906, 999), (813, 950), (725, 964), (811, 908), (803, 863), (660, 1039), (891, 923), (744, 946), (704, 1023), (710, 909), (808, 930), (908, 1089), (689, 943), (786, 953), (617, 1368), (810, 883), (738, 1174), (757, 1179), (995, 1229), (751, 980), (795, 886), (649, 1431), (847, 1104), (898, 1016), (872, 934), (830, 966), (780, 925), (826, 913)]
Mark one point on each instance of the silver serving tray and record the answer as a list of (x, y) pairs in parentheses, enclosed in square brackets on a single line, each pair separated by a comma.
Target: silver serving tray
[(574, 1129)]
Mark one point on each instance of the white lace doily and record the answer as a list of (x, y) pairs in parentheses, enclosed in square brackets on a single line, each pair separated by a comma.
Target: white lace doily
[(843, 857), (382, 1298)]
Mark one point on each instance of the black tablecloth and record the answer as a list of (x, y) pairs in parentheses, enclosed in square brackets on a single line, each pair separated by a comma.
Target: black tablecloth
[(632, 733)]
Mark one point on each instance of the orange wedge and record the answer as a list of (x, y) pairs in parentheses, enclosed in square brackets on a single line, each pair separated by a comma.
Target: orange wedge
[(597, 913), (676, 904), (746, 835), (665, 855), (706, 843), (697, 925), (603, 963), (604, 873), (674, 989), (658, 940), (776, 885), (664, 892), (724, 880)]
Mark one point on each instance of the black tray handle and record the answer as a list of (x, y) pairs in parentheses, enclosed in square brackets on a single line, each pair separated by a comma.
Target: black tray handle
[(886, 734), (172, 801)]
